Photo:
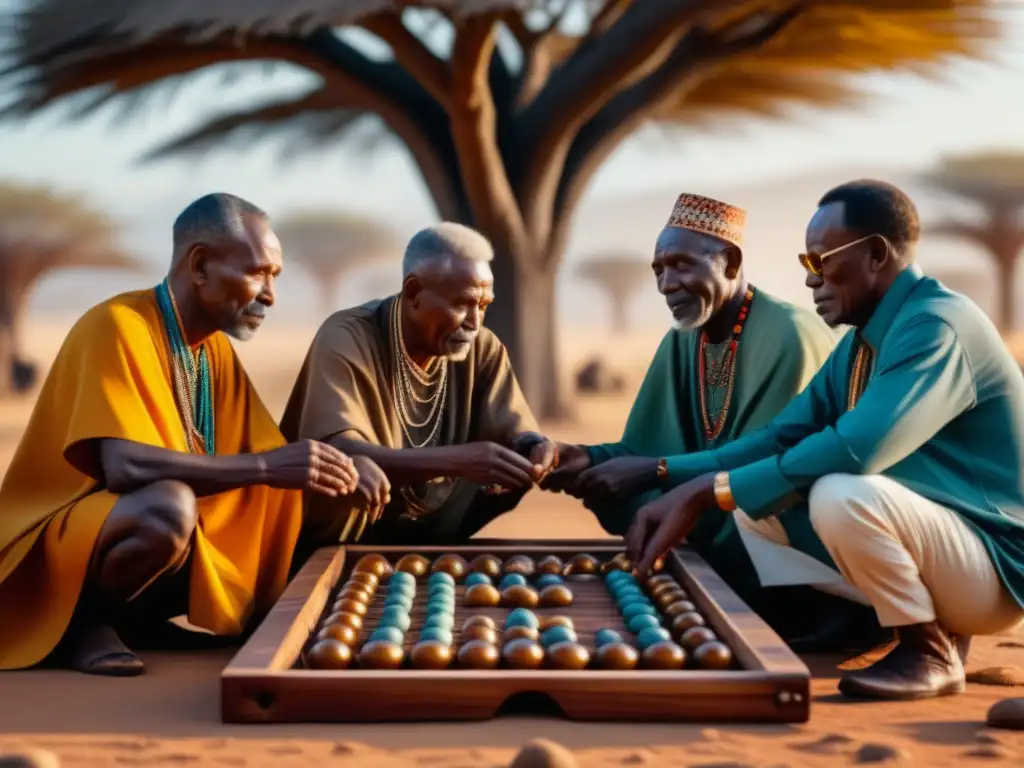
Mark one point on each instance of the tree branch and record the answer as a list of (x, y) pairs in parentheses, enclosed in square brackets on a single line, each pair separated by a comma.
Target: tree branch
[(645, 32), (409, 51), (627, 111), (474, 129)]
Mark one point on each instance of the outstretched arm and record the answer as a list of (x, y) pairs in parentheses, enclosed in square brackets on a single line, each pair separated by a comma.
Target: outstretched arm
[(924, 382), (128, 466)]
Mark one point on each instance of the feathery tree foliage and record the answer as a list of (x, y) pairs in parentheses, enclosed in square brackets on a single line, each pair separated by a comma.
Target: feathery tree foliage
[(329, 245), (507, 107), (41, 232), (994, 183), (620, 276)]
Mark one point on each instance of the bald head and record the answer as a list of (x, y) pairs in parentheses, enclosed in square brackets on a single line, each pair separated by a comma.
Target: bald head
[(214, 221), (435, 250)]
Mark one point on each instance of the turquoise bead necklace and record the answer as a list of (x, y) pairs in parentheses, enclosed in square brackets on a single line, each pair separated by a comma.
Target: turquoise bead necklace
[(190, 376)]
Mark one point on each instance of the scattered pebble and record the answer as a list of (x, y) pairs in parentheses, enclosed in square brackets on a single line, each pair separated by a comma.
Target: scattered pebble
[(829, 744), (711, 734), (879, 753), (635, 758), (542, 753), (1008, 713), (996, 676), (986, 738), (1010, 644), (989, 751), (29, 758)]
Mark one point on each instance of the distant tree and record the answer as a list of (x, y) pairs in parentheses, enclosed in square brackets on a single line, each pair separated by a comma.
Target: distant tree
[(994, 183), (620, 276), (507, 107), (332, 244), (42, 232)]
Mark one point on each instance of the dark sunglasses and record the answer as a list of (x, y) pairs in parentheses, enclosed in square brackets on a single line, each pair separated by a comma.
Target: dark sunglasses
[(812, 262)]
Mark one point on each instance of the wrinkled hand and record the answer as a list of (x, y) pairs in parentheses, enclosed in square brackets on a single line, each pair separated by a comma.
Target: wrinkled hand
[(311, 466), (545, 459), (374, 487), (617, 479), (490, 464), (666, 521), (572, 459)]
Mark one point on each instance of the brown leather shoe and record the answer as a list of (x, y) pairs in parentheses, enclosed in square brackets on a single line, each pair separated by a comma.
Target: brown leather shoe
[(923, 665)]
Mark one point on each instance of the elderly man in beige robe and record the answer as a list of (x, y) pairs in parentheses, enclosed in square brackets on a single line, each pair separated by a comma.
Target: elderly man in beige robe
[(424, 400)]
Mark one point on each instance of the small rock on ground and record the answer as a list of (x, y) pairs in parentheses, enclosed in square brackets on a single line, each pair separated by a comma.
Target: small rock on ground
[(996, 676), (879, 753), (1008, 713), (29, 758), (542, 753), (989, 751)]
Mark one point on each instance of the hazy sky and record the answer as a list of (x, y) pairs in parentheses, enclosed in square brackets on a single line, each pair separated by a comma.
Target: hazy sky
[(908, 122)]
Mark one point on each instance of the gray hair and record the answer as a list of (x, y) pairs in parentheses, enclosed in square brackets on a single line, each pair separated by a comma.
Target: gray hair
[(212, 219), (438, 246)]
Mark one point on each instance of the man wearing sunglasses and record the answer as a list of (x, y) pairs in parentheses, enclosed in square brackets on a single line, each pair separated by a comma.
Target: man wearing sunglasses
[(899, 466), (734, 359)]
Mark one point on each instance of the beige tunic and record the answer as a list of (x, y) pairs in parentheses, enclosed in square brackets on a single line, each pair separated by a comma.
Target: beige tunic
[(345, 388)]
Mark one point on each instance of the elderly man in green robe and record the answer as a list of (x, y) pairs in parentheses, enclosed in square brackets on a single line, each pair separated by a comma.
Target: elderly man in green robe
[(899, 465), (735, 358)]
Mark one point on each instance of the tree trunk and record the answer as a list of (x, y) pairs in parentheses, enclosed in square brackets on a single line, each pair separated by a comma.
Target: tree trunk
[(524, 317), (619, 311), (1006, 271)]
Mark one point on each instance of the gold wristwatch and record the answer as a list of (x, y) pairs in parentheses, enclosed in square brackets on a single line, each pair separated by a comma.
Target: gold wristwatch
[(723, 493)]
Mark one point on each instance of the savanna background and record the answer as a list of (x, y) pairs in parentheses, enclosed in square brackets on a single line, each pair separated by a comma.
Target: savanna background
[(787, 101)]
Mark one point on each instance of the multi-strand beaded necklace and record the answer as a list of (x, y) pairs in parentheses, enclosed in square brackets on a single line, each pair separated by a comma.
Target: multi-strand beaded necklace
[(723, 374), (190, 376)]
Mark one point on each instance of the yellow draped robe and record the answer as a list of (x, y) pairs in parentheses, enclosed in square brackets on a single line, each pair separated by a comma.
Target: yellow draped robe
[(112, 379)]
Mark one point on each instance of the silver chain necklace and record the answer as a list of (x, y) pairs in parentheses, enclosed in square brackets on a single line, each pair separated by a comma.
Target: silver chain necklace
[(404, 391)]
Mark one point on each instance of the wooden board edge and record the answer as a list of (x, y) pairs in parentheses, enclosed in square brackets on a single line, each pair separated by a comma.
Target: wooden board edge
[(756, 644), (278, 640)]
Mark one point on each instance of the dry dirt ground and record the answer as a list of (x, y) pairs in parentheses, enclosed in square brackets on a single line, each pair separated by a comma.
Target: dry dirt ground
[(170, 716)]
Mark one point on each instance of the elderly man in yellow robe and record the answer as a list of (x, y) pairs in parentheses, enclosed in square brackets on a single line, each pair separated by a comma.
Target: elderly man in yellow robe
[(424, 398), (151, 482)]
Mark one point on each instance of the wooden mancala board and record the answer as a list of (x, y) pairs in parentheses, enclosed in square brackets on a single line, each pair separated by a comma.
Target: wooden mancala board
[(735, 668)]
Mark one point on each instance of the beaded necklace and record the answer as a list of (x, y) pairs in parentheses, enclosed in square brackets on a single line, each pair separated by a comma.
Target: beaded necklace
[(724, 375), (859, 375), (190, 376), (403, 389)]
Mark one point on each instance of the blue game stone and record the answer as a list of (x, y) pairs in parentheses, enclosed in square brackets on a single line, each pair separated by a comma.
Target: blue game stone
[(606, 636), (405, 601), (437, 635), (442, 620), (557, 635), (444, 601), (388, 634), (441, 596), (651, 635), (637, 608), (402, 591), (615, 576), (511, 579), (522, 617), (642, 621), (401, 577), (441, 578), (395, 616), (548, 580), (477, 578), (630, 590), (439, 611)]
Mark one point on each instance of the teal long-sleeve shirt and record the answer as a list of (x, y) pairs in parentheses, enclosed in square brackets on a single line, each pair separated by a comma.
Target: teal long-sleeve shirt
[(942, 414)]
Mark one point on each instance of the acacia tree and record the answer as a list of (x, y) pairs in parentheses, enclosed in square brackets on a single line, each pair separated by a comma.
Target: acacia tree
[(41, 232), (620, 276), (994, 183), (507, 107), (331, 244)]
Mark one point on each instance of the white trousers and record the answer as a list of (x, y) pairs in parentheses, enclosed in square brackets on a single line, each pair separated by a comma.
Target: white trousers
[(912, 560)]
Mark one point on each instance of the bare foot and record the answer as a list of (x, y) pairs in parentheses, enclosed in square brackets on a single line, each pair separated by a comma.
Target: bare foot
[(99, 651)]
